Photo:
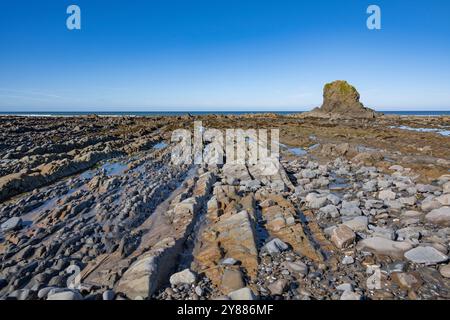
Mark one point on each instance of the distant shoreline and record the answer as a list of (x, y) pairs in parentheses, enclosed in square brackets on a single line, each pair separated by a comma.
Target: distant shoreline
[(196, 113)]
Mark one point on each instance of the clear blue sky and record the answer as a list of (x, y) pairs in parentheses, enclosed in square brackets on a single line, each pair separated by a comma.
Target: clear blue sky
[(161, 55)]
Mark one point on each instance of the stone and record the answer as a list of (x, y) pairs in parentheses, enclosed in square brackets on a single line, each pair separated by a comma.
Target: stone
[(42, 293), (426, 188), (21, 294), (446, 187), (345, 287), (370, 186), (330, 210), (396, 167), (229, 262), (65, 295), (430, 204), (308, 173), (439, 216), (11, 224), (425, 255), (140, 278), (334, 199), (242, 294), (350, 208), (108, 295), (232, 280), (276, 246), (342, 236), (410, 201), (445, 271), (297, 267), (198, 291), (382, 232), (183, 277), (350, 295), (357, 224), (386, 195), (411, 214), (398, 266), (411, 234), (278, 287), (348, 260), (444, 199), (315, 201), (406, 280), (383, 246)]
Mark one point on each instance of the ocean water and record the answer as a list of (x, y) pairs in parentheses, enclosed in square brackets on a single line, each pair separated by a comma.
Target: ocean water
[(181, 113)]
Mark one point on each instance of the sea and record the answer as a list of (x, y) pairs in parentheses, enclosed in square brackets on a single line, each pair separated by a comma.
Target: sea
[(181, 113)]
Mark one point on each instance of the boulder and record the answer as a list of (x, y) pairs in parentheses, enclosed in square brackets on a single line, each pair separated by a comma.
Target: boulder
[(439, 216), (183, 277), (342, 236), (383, 246), (278, 287), (65, 295)]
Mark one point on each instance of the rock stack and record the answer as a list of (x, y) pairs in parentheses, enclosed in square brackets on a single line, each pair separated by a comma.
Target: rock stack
[(340, 99)]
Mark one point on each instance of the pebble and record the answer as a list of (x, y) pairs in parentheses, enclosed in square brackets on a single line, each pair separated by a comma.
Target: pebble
[(229, 261), (348, 260), (108, 295), (199, 291)]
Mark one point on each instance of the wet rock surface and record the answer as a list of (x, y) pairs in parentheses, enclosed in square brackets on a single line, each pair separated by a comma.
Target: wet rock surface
[(90, 209)]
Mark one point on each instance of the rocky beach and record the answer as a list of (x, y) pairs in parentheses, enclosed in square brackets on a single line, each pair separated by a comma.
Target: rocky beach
[(92, 208)]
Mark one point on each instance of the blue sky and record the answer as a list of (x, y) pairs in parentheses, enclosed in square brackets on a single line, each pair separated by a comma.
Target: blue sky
[(162, 55)]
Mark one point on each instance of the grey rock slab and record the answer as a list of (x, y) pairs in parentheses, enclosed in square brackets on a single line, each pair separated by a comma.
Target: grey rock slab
[(357, 224), (242, 294), (276, 246), (65, 295), (383, 246), (425, 255), (11, 224), (350, 295)]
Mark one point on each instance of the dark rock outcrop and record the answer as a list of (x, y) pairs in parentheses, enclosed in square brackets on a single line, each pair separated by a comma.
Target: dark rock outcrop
[(340, 99)]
